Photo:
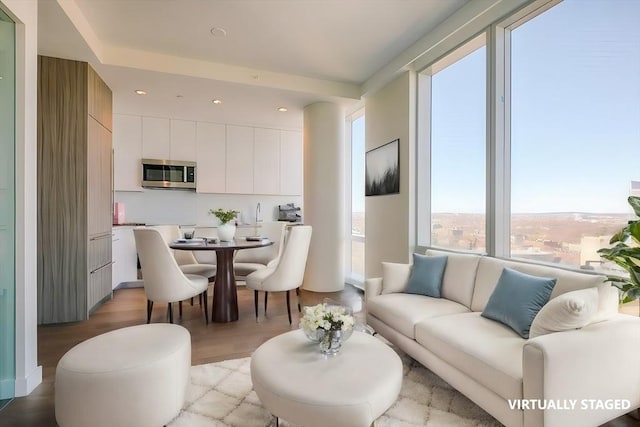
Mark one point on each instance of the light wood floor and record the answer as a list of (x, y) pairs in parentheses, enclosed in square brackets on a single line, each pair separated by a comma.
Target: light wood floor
[(210, 343)]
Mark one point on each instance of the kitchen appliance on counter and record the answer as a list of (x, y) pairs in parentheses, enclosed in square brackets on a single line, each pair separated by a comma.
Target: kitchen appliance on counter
[(289, 212), (172, 174)]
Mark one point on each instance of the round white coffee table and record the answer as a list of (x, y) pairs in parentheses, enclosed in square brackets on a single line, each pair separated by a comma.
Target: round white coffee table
[(353, 388)]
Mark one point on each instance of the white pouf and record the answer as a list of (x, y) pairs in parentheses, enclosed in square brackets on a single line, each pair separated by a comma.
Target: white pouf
[(135, 376), (296, 383)]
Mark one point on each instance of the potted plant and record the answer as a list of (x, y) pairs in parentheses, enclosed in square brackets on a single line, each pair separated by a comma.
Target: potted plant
[(227, 227), (626, 254)]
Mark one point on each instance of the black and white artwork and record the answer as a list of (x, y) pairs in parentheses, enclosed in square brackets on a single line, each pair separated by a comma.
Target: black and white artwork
[(382, 175)]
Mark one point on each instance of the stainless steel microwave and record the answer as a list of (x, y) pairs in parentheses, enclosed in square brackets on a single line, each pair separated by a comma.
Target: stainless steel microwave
[(168, 174)]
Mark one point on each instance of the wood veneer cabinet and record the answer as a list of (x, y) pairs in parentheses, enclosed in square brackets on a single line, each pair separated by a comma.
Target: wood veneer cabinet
[(74, 190)]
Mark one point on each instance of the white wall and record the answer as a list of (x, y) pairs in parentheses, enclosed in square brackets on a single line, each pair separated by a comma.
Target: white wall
[(390, 114), (190, 208), (25, 14)]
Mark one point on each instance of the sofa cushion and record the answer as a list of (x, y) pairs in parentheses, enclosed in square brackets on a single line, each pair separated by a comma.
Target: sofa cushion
[(490, 269), (517, 298), (426, 275), (572, 310), (459, 276), (486, 351), (402, 311), (395, 277)]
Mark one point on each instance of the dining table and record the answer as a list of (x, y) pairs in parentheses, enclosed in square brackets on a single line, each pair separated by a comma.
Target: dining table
[(225, 295)]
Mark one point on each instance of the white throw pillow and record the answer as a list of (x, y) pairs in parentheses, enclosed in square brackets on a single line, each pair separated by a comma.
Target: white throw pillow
[(395, 277), (571, 310), (608, 302)]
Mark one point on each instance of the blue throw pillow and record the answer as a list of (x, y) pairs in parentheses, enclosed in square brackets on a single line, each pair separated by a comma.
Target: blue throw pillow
[(517, 298), (426, 275)]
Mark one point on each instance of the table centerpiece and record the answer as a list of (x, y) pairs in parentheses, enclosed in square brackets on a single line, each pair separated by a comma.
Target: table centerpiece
[(329, 325)]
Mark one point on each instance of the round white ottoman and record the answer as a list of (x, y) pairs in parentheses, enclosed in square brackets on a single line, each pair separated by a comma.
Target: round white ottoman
[(134, 376), (296, 383)]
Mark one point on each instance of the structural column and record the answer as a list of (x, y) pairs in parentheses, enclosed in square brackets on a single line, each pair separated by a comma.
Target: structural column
[(324, 195)]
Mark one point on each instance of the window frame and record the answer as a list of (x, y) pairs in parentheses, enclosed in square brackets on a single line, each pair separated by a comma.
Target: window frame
[(498, 140), (351, 278)]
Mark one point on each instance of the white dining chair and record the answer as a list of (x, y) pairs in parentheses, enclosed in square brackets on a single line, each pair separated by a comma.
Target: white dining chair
[(186, 260), (288, 273), (163, 279), (250, 260)]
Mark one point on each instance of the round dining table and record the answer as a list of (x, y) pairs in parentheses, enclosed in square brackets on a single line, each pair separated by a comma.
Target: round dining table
[(225, 295)]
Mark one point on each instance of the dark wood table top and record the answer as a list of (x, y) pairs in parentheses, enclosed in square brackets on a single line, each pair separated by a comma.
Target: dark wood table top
[(217, 245)]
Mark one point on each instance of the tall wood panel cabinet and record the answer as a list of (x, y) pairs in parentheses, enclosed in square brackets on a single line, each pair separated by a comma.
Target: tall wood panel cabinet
[(74, 190)]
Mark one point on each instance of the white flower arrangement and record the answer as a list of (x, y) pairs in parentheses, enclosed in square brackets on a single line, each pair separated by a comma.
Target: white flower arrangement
[(327, 317)]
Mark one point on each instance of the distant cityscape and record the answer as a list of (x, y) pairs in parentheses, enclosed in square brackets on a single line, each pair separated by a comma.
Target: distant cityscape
[(569, 238)]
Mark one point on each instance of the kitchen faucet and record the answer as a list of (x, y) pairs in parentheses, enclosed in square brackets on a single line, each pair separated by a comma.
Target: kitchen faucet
[(258, 213)]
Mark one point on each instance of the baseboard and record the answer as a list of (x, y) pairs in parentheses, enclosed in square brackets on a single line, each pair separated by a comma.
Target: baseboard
[(25, 386), (132, 284)]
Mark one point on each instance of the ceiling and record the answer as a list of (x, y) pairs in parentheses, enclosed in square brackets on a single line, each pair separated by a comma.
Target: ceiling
[(275, 52)]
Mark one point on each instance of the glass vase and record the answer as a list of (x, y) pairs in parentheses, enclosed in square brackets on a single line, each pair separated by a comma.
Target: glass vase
[(330, 342)]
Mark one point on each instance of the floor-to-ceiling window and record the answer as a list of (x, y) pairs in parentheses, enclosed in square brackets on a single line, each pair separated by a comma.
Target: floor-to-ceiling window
[(562, 134), (458, 141), (7, 208), (575, 128), (356, 241)]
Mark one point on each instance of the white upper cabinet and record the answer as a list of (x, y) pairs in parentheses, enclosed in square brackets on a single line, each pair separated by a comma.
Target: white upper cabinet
[(291, 171), (127, 152), (239, 160), (156, 138), (211, 158), (230, 159), (183, 140), (266, 161)]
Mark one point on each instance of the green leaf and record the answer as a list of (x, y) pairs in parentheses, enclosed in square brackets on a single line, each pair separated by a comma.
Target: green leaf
[(632, 294), (634, 201), (634, 231)]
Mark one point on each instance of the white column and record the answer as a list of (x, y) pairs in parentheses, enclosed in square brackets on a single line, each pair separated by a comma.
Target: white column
[(324, 195)]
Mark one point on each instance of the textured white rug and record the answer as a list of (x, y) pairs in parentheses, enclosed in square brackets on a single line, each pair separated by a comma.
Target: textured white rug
[(221, 394)]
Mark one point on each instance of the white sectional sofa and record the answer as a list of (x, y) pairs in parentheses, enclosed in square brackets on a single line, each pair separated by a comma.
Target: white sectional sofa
[(591, 367)]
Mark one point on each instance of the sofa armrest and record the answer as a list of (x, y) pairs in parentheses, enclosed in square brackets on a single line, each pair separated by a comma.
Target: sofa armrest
[(591, 366), (372, 287)]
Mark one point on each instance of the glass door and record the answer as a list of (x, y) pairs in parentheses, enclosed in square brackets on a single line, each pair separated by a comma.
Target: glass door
[(7, 209)]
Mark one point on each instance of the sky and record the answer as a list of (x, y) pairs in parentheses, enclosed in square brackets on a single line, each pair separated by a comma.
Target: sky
[(575, 114)]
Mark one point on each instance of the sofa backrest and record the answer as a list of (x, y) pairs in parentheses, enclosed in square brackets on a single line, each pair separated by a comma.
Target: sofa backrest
[(459, 276), (489, 271)]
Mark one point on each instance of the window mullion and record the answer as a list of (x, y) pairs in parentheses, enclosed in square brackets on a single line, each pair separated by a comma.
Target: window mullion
[(498, 158)]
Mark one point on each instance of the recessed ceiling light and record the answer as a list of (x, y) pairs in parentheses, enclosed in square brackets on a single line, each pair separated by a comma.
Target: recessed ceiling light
[(218, 32), (217, 101), (140, 92), (282, 109)]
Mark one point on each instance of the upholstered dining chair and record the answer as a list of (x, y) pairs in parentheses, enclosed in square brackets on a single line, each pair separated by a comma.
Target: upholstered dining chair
[(186, 260), (288, 273), (163, 279), (249, 260)]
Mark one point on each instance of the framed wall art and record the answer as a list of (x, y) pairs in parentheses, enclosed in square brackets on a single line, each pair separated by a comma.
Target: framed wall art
[(382, 170)]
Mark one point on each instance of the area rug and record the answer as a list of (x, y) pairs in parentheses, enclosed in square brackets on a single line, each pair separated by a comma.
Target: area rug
[(221, 394)]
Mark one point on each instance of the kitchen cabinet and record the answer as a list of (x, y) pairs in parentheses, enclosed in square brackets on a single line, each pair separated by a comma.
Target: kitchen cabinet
[(156, 138), (266, 161), (125, 257), (291, 161), (239, 155), (74, 190), (211, 158), (127, 152), (183, 140)]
